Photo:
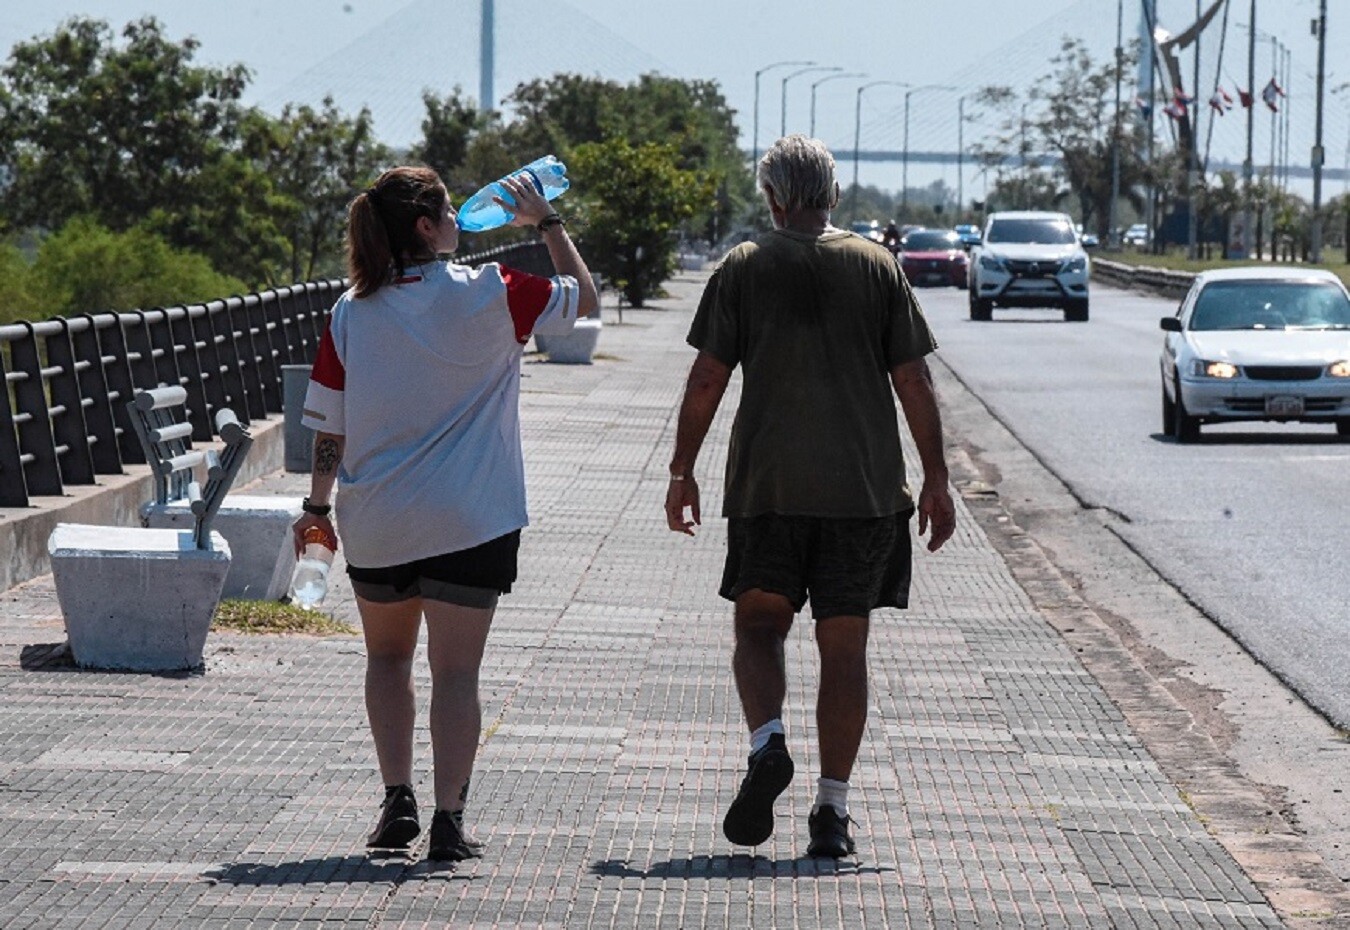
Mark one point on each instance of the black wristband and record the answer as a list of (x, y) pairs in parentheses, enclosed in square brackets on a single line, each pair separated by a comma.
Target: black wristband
[(549, 222), (318, 510)]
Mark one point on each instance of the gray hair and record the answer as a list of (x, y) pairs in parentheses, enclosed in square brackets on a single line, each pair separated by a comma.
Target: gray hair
[(799, 171)]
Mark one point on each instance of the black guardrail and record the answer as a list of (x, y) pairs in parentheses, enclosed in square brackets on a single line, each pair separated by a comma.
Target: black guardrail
[(68, 380)]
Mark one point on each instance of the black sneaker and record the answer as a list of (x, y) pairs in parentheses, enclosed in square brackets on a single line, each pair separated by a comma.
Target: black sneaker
[(397, 826), (749, 820), (829, 834), (448, 842)]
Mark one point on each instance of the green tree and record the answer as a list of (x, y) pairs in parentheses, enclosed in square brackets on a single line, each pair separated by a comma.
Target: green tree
[(1070, 114), (692, 117), (90, 128), (632, 200), (16, 298), (317, 160), (87, 268), (447, 131)]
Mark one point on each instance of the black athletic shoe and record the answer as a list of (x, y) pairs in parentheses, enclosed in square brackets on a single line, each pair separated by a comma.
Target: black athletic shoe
[(397, 826), (829, 834), (749, 820), (448, 842)]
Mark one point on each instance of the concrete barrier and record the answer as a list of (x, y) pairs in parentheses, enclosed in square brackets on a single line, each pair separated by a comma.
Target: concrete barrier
[(1161, 281)]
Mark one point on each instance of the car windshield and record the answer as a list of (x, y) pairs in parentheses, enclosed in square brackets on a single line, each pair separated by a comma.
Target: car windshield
[(1040, 232), (930, 240), (1264, 305)]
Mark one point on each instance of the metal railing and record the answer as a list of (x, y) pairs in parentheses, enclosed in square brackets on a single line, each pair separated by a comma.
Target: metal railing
[(68, 380)]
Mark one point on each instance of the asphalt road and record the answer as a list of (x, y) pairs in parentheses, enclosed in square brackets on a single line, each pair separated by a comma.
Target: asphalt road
[(1252, 523)]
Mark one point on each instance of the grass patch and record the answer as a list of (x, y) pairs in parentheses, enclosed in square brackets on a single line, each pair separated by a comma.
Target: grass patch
[(1176, 260), (273, 617)]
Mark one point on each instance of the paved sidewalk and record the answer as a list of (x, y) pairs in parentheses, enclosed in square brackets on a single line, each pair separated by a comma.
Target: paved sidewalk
[(998, 784)]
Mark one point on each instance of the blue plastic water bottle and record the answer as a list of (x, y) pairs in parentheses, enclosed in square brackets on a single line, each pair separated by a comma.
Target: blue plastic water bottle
[(480, 212)]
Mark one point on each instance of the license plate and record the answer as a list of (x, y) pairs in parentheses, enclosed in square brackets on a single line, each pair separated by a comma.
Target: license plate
[(1284, 406)]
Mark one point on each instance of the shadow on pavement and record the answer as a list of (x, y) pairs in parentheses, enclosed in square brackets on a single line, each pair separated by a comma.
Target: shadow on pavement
[(734, 866), (56, 657), (392, 868), (1210, 438)]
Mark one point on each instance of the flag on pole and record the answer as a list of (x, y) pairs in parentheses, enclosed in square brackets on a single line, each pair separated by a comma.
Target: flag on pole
[(1271, 94), (1244, 97), (1145, 108), (1177, 108), (1220, 102)]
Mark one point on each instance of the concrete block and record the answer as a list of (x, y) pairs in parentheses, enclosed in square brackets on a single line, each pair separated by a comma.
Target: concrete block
[(136, 599), (258, 529), (575, 348)]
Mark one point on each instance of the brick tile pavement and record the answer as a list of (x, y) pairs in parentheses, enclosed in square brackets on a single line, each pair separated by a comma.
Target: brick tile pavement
[(998, 784)]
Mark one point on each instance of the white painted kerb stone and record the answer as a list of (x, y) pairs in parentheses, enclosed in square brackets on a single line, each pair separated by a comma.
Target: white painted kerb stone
[(136, 599), (258, 529)]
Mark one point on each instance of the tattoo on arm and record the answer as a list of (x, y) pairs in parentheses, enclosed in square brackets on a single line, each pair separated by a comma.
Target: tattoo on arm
[(326, 456)]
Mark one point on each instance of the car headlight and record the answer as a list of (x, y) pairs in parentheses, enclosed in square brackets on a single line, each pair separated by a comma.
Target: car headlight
[(1339, 369), (1075, 265), (1203, 369), (991, 263)]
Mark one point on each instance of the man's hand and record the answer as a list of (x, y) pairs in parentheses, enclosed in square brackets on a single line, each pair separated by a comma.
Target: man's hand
[(936, 508), (680, 494)]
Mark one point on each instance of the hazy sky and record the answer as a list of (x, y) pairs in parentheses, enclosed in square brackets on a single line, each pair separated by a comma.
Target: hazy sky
[(387, 52)]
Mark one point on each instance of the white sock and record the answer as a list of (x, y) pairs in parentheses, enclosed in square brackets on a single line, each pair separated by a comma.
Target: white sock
[(760, 738), (833, 793)]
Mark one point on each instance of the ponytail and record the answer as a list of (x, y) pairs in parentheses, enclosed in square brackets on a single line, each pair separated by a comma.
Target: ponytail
[(381, 225), (368, 255)]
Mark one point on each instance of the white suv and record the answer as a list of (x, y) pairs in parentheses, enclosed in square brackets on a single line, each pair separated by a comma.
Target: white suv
[(1029, 258)]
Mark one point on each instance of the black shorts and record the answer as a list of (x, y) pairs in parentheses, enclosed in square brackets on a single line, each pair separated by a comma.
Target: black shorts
[(468, 578), (847, 567)]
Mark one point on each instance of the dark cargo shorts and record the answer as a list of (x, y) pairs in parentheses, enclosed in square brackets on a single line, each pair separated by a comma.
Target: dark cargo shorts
[(467, 578), (847, 567)]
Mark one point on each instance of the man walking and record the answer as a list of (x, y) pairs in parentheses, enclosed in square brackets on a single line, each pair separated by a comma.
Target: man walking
[(824, 326)]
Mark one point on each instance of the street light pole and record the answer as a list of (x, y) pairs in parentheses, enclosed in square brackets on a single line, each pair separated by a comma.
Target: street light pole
[(857, 129), (1248, 237), (832, 77), (1113, 218), (754, 140), (904, 155), (960, 157), (1318, 155), (783, 129)]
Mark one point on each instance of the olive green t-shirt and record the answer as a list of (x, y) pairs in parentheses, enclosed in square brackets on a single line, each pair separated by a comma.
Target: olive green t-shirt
[(816, 322)]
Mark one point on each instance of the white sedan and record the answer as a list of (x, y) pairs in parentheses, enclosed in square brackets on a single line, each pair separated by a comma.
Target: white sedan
[(1264, 343)]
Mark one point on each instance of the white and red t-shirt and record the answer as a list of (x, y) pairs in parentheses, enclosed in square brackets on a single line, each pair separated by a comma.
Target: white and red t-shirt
[(423, 379)]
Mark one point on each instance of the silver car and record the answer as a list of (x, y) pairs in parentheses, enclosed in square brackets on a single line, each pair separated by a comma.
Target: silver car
[(1257, 344)]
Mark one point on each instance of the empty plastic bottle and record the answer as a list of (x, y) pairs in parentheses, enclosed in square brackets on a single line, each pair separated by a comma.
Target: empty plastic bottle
[(480, 212), (309, 581)]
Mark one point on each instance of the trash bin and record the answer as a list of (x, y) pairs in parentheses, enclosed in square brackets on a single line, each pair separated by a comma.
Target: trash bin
[(298, 438)]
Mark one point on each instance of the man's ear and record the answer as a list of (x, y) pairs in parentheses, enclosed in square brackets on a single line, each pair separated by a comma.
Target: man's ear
[(772, 201), (834, 198)]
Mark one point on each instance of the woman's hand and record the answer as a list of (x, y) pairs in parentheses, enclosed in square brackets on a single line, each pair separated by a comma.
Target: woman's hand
[(530, 206), (305, 522)]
